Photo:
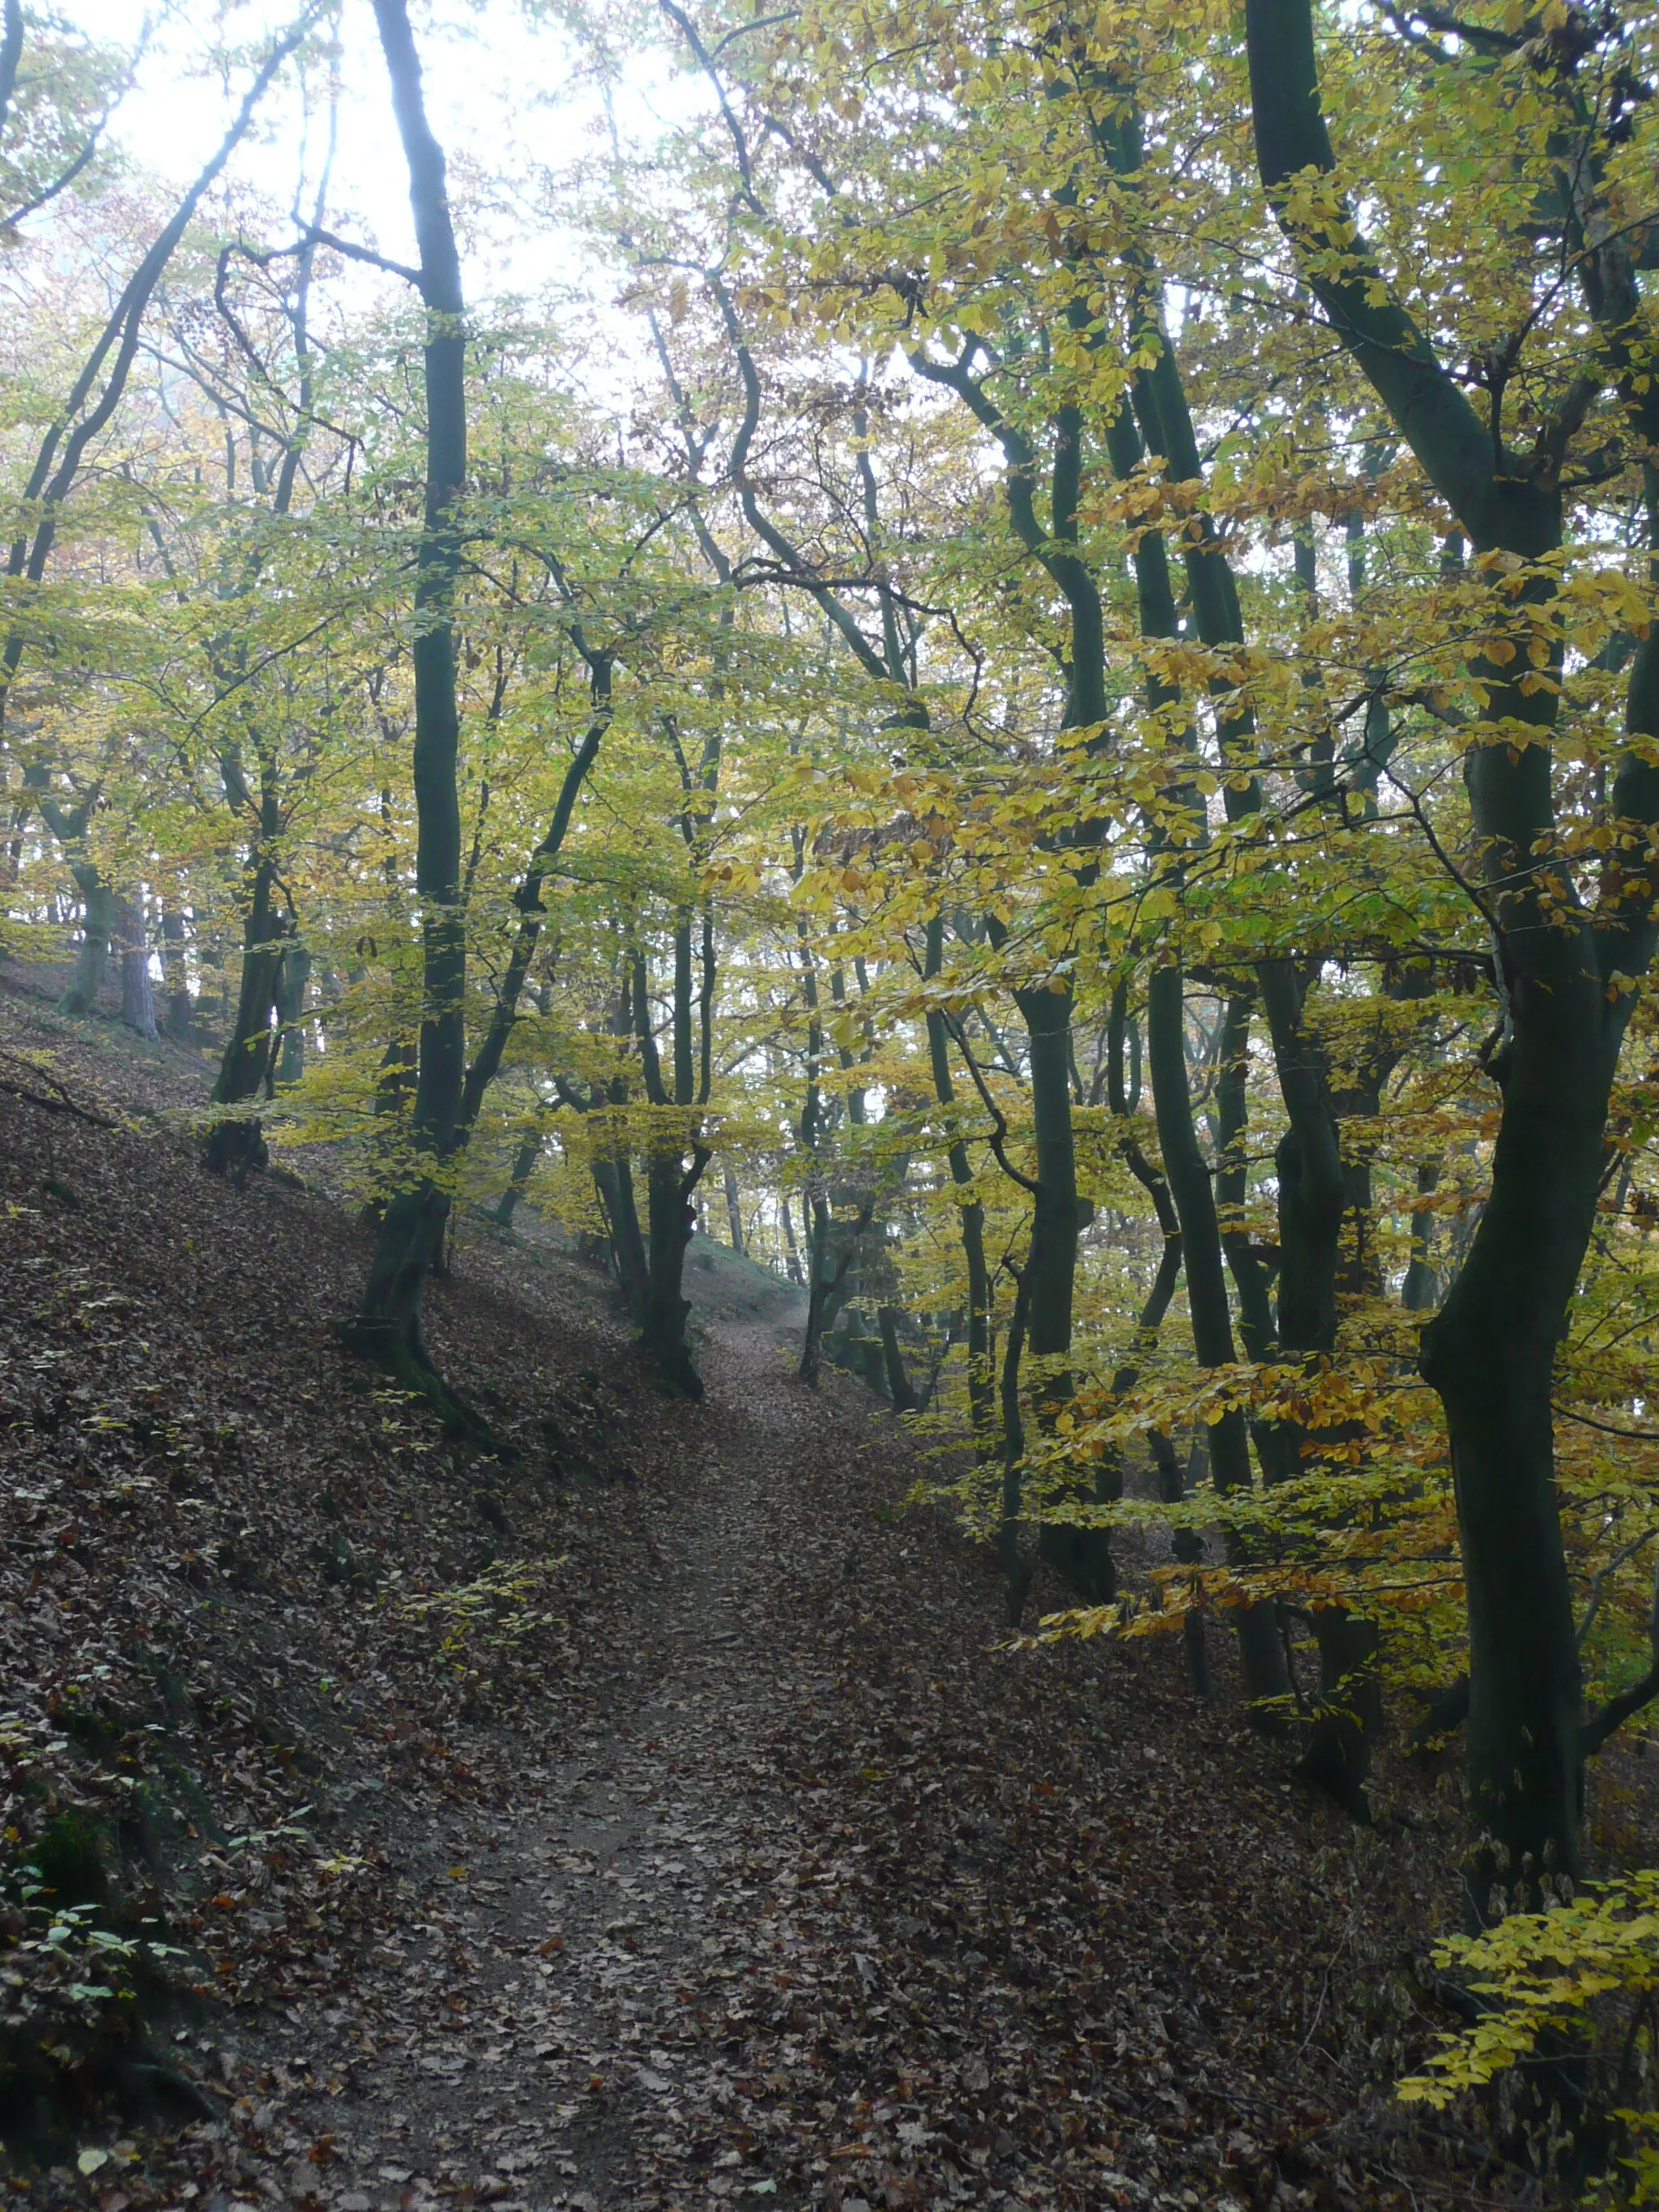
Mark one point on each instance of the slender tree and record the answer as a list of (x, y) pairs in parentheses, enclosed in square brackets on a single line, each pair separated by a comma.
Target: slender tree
[(411, 1232)]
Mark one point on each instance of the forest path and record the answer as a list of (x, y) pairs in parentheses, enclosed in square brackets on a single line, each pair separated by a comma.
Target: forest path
[(834, 1900), (554, 1953)]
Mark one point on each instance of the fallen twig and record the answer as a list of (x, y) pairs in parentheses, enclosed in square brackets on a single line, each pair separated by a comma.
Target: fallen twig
[(60, 1103)]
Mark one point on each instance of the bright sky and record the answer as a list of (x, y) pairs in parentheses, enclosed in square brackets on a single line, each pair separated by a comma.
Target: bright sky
[(499, 92)]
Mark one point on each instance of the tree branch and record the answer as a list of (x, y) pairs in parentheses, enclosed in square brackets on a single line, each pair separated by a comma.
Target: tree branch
[(316, 235), (999, 1137), (1600, 1726)]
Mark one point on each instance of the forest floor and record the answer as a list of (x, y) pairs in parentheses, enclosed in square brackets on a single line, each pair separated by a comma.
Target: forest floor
[(659, 1819)]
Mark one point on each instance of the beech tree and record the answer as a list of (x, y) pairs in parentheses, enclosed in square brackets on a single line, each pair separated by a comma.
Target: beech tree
[(1568, 951)]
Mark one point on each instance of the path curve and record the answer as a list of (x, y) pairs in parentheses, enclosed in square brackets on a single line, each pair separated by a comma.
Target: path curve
[(554, 1958)]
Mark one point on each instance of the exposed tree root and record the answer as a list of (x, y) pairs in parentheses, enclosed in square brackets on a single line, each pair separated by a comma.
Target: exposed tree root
[(386, 1346)]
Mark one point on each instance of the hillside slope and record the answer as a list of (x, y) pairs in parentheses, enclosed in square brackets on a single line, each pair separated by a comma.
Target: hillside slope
[(655, 1819)]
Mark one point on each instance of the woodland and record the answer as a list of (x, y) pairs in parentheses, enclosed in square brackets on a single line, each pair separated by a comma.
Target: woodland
[(902, 934)]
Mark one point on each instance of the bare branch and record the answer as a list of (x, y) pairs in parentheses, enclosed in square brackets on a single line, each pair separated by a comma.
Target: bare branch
[(999, 1137), (1617, 1710)]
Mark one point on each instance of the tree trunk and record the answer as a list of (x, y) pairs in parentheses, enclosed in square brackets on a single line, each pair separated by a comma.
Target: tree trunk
[(1172, 1486), (671, 1185), (1056, 1220), (793, 1256), (1255, 1314), (830, 1287), (292, 979), (524, 1162), (212, 1010), (137, 999), (1490, 1355), (98, 921), (733, 1210), (235, 1144), (1312, 1190), (1260, 1655), (394, 1090), (818, 1224), (1419, 1289), (1081, 1555), (181, 1007), (1189, 1544), (388, 1326), (1314, 1193), (1016, 1566), (981, 1384), (614, 1181), (667, 1309), (826, 1285), (898, 1381)]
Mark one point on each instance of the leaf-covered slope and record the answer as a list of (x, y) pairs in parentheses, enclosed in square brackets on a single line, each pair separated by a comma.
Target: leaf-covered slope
[(248, 1600)]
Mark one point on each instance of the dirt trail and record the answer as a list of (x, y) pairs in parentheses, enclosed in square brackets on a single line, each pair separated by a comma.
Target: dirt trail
[(553, 1957), (840, 1903)]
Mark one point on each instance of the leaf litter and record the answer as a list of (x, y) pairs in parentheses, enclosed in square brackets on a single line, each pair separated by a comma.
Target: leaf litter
[(655, 1819)]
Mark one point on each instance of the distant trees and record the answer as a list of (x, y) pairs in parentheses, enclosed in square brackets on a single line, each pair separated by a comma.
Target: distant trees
[(73, 425)]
